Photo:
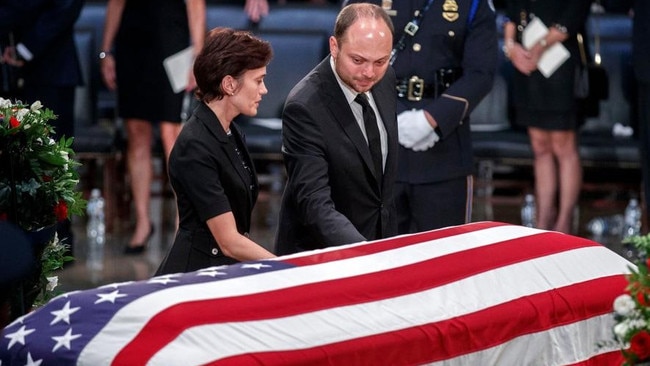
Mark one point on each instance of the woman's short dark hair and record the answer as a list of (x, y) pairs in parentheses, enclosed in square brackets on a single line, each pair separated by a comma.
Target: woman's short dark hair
[(227, 52)]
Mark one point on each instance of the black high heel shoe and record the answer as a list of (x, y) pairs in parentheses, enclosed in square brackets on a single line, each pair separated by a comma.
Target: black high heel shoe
[(139, 248)]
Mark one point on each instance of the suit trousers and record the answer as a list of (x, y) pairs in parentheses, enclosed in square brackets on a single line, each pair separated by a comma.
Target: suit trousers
[(423, 207)]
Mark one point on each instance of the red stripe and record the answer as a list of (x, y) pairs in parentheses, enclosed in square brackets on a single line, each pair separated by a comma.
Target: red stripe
[(605, 359), (462, 335), (168, 324), (391, 243)]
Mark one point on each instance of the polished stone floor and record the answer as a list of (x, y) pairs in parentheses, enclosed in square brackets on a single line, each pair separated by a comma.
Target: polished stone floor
[(604, 194)]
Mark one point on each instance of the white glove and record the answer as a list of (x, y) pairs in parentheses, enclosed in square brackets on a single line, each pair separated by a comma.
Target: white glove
[(427, 142), (412, 127)]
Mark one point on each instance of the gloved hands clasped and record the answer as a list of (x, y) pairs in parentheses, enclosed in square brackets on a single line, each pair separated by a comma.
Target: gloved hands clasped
[(414, 130)]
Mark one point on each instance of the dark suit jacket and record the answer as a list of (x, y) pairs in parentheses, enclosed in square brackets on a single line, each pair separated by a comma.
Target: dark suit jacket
[(445, 44), (209, 179), (332, 196), (46, 28)]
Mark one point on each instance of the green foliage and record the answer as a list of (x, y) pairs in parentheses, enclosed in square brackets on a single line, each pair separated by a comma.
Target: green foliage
[(38, 175)]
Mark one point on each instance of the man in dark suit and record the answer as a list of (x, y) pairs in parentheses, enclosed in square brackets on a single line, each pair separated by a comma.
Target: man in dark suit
[(336, 193), (445, 64), (45, 53)]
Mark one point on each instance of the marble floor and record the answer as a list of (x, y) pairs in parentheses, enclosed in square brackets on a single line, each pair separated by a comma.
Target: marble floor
[(603, 195)]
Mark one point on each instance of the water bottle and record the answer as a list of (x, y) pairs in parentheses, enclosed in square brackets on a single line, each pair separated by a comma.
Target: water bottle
[(606, 225), (528, 211), (632, 219), (95, 230)]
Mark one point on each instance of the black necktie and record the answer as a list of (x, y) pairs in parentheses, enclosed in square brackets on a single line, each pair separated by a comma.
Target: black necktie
[(372, 133)]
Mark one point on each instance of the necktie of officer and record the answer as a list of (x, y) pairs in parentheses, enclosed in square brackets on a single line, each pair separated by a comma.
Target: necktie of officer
[(372, 133)]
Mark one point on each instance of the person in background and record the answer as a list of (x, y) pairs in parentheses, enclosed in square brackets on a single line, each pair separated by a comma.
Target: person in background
[(210, 168), (138, 36), (640, 12), (44, 54), (547, 106), (445, 59), (16, 263), (339, 137)]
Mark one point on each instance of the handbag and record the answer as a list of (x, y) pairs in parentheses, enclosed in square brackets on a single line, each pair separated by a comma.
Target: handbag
[(592, 82)]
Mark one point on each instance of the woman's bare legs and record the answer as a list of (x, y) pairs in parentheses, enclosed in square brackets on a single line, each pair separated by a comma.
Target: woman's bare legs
[(565, 149), (139, 136), (545, 176), (557, 163)]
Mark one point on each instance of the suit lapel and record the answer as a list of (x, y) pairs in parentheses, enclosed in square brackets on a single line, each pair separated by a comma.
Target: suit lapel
[(342, 112), (210, 120)]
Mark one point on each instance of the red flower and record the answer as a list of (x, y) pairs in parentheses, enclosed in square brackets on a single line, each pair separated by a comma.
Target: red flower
[(640, 345), (642, 298), (46, 178), (61, 210), (13, 122)]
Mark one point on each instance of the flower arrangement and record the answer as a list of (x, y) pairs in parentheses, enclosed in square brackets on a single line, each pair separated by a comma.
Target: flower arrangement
[(632, 309), (38, 178), (38, 181)]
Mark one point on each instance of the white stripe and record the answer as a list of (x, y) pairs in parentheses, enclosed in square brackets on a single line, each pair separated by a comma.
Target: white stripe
[(128, 322), (349, 322), (562, 345)]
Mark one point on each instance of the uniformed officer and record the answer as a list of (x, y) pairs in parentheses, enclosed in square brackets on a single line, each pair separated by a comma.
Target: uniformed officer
[(445, 58)]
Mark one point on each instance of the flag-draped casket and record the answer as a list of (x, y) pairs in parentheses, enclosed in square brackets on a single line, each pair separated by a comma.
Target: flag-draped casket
[(478, 294)]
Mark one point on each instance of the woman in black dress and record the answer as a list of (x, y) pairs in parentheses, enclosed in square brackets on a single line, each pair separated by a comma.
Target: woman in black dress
[(138, 36), (209, 167), (546, 105)]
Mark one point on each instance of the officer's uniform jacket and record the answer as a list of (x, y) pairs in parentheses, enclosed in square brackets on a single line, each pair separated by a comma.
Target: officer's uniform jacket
[(445, 40)]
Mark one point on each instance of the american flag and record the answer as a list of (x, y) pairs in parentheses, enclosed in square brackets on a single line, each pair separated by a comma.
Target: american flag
[(484, 293)]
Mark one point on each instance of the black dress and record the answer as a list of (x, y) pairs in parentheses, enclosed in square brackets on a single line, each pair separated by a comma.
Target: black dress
[(150, 31), (211, 173), (549, 103)]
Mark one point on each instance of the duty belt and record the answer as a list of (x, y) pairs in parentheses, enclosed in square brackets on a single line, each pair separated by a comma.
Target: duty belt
[(416, 88)]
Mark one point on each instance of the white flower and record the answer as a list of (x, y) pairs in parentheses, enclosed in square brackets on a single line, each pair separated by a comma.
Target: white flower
[(52, 282), (5, 103), (22, 112), (624, 304), (621, 329), (638, 323), (36, 106)]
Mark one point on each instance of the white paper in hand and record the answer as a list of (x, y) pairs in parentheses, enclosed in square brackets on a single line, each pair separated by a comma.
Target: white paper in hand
[(553, 57), (178, 67)]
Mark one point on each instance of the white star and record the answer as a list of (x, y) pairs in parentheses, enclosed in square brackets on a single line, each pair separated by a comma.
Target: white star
[(162, 280), (66, 295), (18, 320), (64, 340), (254, 265), (31, 362), (211, 273), (63, 314), (214, 267), (109, 297), (116, 284), (18, 336)]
